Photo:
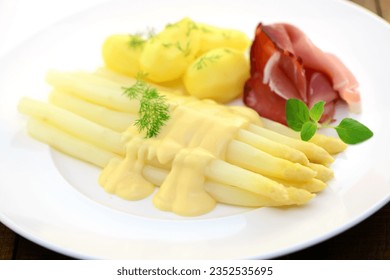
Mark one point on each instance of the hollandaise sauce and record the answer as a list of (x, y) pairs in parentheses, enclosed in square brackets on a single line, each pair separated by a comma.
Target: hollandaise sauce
[(197, 133)]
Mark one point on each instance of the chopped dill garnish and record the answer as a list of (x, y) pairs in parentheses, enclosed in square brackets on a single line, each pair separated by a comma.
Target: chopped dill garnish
[(139, 39), (205, 60), (136, 41), (191, 26), (186, 50), (154, 110)]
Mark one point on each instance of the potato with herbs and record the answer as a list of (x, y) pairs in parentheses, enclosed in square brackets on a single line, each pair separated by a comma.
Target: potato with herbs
[(121, 53), (167, 55), (213, 37), (219, 74)]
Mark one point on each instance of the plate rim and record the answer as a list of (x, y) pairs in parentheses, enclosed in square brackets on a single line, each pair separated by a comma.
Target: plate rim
[(293, 248)]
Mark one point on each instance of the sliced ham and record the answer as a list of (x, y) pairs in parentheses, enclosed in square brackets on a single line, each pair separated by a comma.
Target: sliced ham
[(285, 63), (267, 104), (320, 89), (285, 77)]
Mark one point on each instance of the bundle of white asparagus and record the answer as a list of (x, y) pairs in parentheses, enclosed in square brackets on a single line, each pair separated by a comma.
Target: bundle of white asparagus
[(261, 163)]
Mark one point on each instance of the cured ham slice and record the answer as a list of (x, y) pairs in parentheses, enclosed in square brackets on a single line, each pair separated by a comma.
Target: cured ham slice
[(286, 64), (267, 104)]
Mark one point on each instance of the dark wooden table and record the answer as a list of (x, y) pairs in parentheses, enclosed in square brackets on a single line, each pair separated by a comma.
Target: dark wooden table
[(368, 240)]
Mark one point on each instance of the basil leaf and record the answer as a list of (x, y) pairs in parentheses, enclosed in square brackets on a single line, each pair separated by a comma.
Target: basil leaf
[(317, 110), (297, 114), (353, 132), (308, 130)]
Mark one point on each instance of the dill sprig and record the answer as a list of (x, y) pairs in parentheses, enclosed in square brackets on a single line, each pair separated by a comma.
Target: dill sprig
[(205, 60), (154, 110), (136, 41), (139, 39)]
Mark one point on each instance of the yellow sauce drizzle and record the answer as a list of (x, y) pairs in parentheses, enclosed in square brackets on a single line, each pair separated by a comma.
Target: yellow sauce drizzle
[(196, 133), (182, 191)]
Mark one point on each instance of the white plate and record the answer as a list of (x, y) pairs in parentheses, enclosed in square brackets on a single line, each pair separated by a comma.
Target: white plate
[(56, 202)]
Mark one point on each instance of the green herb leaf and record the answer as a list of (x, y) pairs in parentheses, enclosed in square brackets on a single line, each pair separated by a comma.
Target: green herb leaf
[(154, 110), (136, 41), (309, 128), (205, 60), (352, 132), (297, 114), (317, 110), (303, 120)]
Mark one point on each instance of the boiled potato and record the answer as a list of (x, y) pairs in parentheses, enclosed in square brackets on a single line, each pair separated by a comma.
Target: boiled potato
[(214, 37), (167, 55), (219, 74), (121, 53)]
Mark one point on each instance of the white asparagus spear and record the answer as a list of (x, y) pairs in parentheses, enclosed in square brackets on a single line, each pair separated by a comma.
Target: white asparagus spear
[(118, 121), (313, 152), (68, 144), (331, 144), (246, 156), (73, 124), (274, 148)]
